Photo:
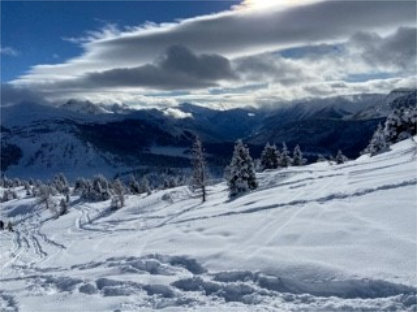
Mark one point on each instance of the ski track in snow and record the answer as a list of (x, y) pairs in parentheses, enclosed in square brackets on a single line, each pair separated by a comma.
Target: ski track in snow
[(321, 200), (43, 268)]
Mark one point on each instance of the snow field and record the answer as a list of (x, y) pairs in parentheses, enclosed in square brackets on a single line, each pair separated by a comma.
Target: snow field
[(313, 238)]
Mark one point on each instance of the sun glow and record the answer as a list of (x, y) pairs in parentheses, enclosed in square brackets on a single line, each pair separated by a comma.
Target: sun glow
[(264, 4)]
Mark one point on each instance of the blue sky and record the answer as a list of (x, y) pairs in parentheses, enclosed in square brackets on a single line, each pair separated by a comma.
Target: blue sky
[(214, 53), (36, 30)]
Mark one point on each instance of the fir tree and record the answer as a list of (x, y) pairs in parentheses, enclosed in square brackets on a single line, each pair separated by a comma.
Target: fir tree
[(378, 143), (45, 197), (61, 183), (340, 158), (63, 207), (269, 157), (240, 173), (97, 189), (199, 178), (144, 186), (285, 159), (80, 185), (298, 159), (134, 186), (119, 192), (401, 124)]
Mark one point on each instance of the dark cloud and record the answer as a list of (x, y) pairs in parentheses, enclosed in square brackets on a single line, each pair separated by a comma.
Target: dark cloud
[(178, 68), (12, 95), (270, 68), (398, 50)]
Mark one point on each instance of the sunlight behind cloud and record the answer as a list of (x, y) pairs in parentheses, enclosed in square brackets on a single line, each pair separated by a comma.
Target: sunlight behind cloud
[(265, 4)]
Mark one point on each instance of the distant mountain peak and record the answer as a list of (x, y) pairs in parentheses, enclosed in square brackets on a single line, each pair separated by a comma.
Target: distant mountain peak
[(83, 107)]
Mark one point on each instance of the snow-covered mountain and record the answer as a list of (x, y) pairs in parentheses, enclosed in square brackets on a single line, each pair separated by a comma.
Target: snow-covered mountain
[(80, 137), (323, 126), (49, 140), (400, 94), (404, 99), (314, 238)]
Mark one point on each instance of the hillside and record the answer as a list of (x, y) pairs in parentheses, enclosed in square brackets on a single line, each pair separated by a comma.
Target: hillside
[(315, 238)]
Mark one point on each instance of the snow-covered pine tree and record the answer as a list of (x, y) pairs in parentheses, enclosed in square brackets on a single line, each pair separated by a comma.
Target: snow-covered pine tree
[(144, 186), (241, 173), (97, 189), (16, 182), (119, 192), (45, 198), (168, 182), (378, 143), (61, 183), (9, 194), (80, 185), (393, 126), (134, 187), (285, 160), (401, 124), (199, 178), (28, 188), (297, 158), (269, 157), (340, 158), (63, 207)]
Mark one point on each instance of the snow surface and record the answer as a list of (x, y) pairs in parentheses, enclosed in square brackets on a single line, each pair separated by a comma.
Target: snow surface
[(315, 238)]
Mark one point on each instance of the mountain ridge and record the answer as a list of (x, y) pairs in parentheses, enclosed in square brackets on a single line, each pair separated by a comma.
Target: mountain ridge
[(119, 141)]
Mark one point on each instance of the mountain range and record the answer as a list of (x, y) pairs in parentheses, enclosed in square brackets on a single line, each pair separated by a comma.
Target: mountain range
[(82, 137)]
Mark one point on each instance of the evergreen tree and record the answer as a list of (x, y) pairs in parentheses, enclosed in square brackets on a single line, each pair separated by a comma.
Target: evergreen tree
[(97, 189), (285, 159), (44, 195), (269, 157), (241, 173), (168, 182), (144, 186), (16, 182), (401, 124), (378, 143), (27, 188), (199, 178), (298, 159), (340, 158), (63, 207), (61, 183), (9, 194), (80, 185), (134, 186), (119, 191)]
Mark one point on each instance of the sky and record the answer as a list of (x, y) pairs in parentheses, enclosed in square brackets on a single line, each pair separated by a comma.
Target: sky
[(220, 54)]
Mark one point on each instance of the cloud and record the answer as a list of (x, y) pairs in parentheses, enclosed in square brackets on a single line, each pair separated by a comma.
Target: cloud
[(178, 68), (271, 68), (11, 95), (177, 113), (397, 51), (241, 57), (231, 34), (8, 51)]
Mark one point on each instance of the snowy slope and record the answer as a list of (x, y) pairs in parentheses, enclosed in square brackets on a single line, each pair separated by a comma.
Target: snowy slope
[(50, 142), (314, 238)]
